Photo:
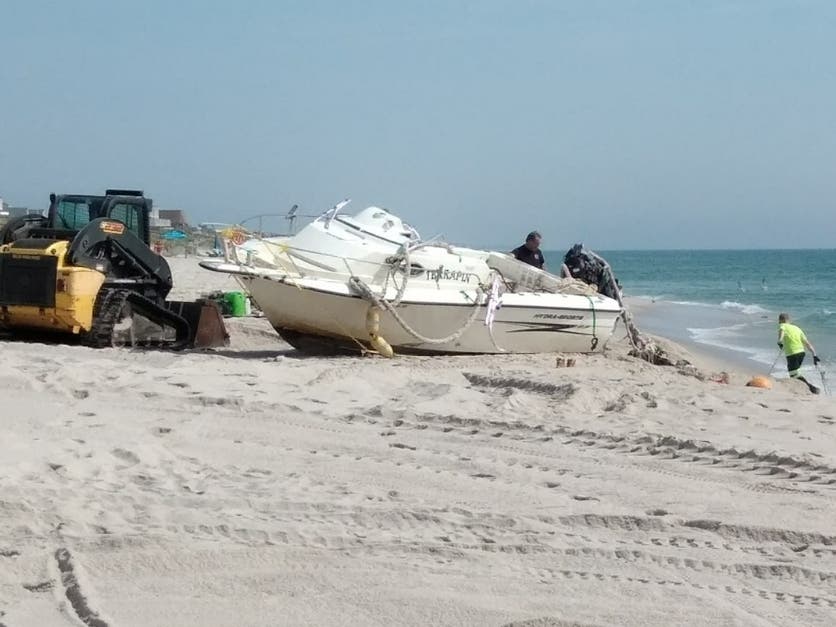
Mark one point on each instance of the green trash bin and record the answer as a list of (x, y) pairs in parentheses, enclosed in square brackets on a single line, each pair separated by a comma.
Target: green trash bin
[(237, 304)]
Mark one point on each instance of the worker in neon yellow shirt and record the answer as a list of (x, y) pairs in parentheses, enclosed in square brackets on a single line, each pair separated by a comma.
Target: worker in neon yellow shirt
[(792, 340)]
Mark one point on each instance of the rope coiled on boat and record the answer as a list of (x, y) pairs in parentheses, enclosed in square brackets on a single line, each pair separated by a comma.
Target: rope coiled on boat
[(403, 254), (366, 292)]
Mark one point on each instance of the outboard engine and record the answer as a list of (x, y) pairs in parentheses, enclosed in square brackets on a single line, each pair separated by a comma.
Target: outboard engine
[(585, 265)]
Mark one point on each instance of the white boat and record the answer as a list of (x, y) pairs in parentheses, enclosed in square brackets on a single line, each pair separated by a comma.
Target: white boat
[(354, 282)]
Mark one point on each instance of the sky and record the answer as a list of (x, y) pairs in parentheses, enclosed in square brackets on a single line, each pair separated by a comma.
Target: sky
[(621, 124)]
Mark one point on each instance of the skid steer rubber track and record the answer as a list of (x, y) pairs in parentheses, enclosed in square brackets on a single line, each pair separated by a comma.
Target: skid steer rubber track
[(110, 304)]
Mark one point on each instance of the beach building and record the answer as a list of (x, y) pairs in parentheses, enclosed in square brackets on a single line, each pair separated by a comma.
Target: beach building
[(157, 221), (176, 218), (15, 212)]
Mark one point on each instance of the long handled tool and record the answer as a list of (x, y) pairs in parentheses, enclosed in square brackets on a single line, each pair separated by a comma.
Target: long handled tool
[(777, 357), (823, 374)]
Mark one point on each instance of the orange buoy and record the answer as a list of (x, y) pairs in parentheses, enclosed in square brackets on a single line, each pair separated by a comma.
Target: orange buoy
[(760, 382)]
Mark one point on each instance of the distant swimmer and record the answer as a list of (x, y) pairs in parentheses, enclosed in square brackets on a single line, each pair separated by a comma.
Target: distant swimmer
[(740, 287), (764, 286), (792, 340)]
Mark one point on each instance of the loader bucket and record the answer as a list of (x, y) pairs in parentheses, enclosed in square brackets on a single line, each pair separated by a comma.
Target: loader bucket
[(206, 324)]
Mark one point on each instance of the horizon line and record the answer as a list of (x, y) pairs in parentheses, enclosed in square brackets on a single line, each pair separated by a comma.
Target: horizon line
[(669, 250)]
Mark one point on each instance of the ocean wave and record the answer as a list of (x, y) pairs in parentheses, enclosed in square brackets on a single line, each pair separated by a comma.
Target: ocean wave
[(728, 338), (691, 303), (743, 308), (726, 304), (716, 333), (819, 320)]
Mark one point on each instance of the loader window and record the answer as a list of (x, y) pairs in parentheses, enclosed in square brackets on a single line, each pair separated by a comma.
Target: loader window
[(72, 214), (130, 215)]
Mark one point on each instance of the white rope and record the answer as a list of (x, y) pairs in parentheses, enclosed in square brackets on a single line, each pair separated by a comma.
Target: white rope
[(404, 254), (407, 271), (366, 292), (394, 262), (643, 347), (289, 251)]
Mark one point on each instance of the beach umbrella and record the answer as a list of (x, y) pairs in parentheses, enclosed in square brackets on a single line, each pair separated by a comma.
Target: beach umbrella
[(174, 234)]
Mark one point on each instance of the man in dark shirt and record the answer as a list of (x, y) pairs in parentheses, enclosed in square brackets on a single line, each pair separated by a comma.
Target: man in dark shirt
[(530, 251)]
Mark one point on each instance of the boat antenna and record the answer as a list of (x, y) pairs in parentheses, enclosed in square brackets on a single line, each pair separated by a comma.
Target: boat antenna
[(291, 217)]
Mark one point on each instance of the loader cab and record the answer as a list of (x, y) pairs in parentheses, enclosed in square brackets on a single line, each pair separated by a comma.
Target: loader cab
[(71, 212)]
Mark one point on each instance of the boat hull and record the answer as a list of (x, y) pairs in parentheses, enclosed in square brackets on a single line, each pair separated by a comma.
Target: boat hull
[(525, 323)]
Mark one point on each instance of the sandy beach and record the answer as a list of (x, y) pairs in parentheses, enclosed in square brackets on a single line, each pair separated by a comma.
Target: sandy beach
[(255, 486)]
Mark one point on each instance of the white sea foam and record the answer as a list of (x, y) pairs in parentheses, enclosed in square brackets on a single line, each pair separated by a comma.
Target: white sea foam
[(743, 308), (728, 338), (691, 303), (726, 304), (716, 334)]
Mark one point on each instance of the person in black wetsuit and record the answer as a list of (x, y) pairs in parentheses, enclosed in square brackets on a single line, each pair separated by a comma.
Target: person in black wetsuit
[(530, 251)]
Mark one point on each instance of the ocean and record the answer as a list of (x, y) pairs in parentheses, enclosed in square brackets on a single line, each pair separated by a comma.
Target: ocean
[(728, 300)]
